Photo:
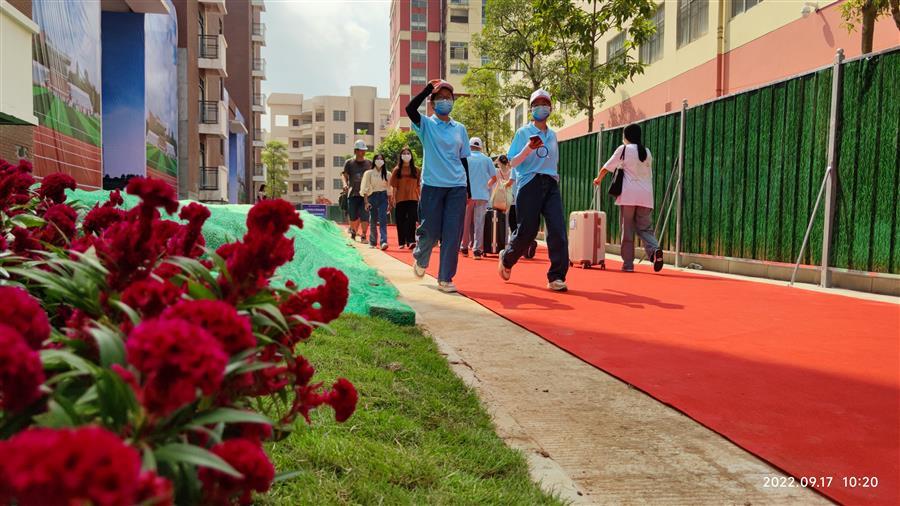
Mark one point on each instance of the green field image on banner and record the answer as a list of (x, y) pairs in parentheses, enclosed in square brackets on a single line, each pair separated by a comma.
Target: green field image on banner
[(64, 118)]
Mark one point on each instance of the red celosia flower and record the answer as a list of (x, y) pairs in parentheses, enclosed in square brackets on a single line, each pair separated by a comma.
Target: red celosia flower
[(15, 184), (115, 199), (249, 459), (322, 304), (53, 187), (50, 467), (60, 226), (129, 249), (150, 297), (154, 490), (78, 329), (167, 270), (2, 243), (153, 193), (256, 432), (23, 313), (220, 319), (100, 218), (21, 374), (273, 217), (24, 242), (188, 241), (175, 358), (342, 398)]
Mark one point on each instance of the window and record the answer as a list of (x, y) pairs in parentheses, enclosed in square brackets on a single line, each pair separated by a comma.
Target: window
[(320, 184), (307, 185), (739, 6), (306, 142), (459, 68), (459, 2), (615, 48), (520, 116), (320, 116), (281, 120), (222, 147), (652, 50), (419, 46), (337, 161), (418, 57), (295, 144), (307, 165), (483, 12), (417, 22), (340, 138), (295, 187), (420, 4), (417, 76), (337, 184), (320, 139), (295, 166), (320, 161), (459, 50), (459, 15), (362, 125), (295, 122), (484, 60), (693, 18), (339, 115)]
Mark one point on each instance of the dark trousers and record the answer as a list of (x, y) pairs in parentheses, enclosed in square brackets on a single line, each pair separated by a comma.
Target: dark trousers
[(511, 218), (406, 214), (441, 212), (540, 197)]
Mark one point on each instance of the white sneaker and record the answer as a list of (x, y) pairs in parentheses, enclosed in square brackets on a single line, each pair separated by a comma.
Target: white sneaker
[(558, 286), (504, 272), (447, 287), (418, 270), (384, 246)]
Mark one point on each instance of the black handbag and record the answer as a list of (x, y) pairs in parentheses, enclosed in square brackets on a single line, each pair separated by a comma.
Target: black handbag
[(615, 189), (342, 201)]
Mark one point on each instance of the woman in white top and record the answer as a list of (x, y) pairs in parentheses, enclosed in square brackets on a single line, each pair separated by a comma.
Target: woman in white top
[(375, 188), (636, 200)]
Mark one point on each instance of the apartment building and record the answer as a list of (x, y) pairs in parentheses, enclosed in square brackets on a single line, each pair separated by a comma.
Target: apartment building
[(17, 117), (245, 31), (430, 39), (703, 50), (319, 133)]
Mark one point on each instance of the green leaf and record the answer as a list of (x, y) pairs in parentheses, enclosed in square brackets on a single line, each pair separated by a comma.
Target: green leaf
[(55, 417), (116, 398), (51, 357), (231, 415), (276, 315), (198, 291), (245, 367), (128, 310), (175, 453), (148, 460), (27, 220), (286, 475), (112, 348)]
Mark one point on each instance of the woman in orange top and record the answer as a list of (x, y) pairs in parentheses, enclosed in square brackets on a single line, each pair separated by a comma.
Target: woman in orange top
[(406, 181)]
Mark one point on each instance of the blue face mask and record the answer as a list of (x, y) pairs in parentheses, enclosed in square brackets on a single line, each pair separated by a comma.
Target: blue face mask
[(443, 107), (540, 112)]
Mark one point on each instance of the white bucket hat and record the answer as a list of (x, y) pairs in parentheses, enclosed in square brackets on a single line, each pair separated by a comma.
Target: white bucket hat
[(360, 144)]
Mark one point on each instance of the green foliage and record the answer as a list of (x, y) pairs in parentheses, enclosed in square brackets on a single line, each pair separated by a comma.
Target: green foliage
[(275, 157), (395, 141), (865, 13), (482, 110), (580, 78)]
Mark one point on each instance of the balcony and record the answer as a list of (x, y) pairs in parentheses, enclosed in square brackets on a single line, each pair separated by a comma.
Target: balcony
[(260, 4), (215, 6), (259, 102), (212, 54), (258, 140), (258, 33), (213, 118), (259, 68), (259, 173), (214, 184)]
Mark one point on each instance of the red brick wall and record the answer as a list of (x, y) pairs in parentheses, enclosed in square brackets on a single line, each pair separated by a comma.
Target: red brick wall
[(13, 136)]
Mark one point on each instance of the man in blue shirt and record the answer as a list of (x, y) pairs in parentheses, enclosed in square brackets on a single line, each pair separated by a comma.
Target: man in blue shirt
[(534, 153), (481, 170), (442, 203)]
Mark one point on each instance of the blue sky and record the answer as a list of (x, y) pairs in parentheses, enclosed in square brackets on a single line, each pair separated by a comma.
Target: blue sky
[(322, 47)]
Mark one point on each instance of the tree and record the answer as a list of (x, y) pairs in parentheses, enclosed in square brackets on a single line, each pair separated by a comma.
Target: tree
[(865, 13), (394, 142), (275, 157), (511, 41), (482, 110), (581, 79)]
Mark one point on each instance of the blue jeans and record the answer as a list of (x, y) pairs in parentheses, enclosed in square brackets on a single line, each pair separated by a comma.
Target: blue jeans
[(378, 203), (540, 197), (473, 227), (441, 212)]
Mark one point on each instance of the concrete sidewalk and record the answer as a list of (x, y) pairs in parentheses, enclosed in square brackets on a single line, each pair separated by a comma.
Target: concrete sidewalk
[(588, 436)]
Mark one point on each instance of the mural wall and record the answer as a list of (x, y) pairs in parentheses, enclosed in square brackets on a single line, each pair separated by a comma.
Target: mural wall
[(161, 71), (66, 85)]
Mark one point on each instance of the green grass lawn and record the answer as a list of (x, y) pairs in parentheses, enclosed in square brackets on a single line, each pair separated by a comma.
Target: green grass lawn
[(161, 161), (419, 435)]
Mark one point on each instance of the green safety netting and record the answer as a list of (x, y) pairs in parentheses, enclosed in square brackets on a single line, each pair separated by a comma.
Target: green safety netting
[(319, 244)]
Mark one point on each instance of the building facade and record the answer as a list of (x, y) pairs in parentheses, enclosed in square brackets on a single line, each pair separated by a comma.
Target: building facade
[(703, 50), (319, 133), (245, 31), (430, 39), (17, 117)]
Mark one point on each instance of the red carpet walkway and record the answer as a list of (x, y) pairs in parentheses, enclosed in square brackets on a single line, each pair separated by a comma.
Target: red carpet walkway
[(809, 382)]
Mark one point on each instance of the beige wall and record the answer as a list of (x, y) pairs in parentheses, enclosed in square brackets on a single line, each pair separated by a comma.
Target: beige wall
[(362, 106), (16, 30), (462, 32)]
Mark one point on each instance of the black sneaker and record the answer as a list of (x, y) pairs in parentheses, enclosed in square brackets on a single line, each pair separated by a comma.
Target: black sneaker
[(477, 254), (352, 235), (657, 260), (464, 252), (362, 238)]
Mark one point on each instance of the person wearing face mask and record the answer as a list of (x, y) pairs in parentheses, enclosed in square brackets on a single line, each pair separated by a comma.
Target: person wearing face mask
[(442, 204), (375, 189), (405, 181), (534, 153), (481, 170), (352, 175), (506, 178)]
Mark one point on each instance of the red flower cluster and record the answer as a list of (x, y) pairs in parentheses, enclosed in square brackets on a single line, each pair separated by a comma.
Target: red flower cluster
[(321, 304), (175, 358), (53, 187), (15, 182), (60, 226), (88, 465), (249, 459), (154, 193), (342, 397), (188, 241), (150, 297), (21, 372), (220, 319), (24, 314)]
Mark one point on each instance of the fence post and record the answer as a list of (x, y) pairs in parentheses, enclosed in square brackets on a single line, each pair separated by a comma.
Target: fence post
[(834, 125), (599, 164), (680, 184)]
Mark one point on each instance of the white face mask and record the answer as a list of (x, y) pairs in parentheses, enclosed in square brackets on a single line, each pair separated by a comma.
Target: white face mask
[(379, 163), (405, 157)]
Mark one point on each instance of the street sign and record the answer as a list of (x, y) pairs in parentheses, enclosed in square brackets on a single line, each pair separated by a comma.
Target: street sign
[(316, 209)]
